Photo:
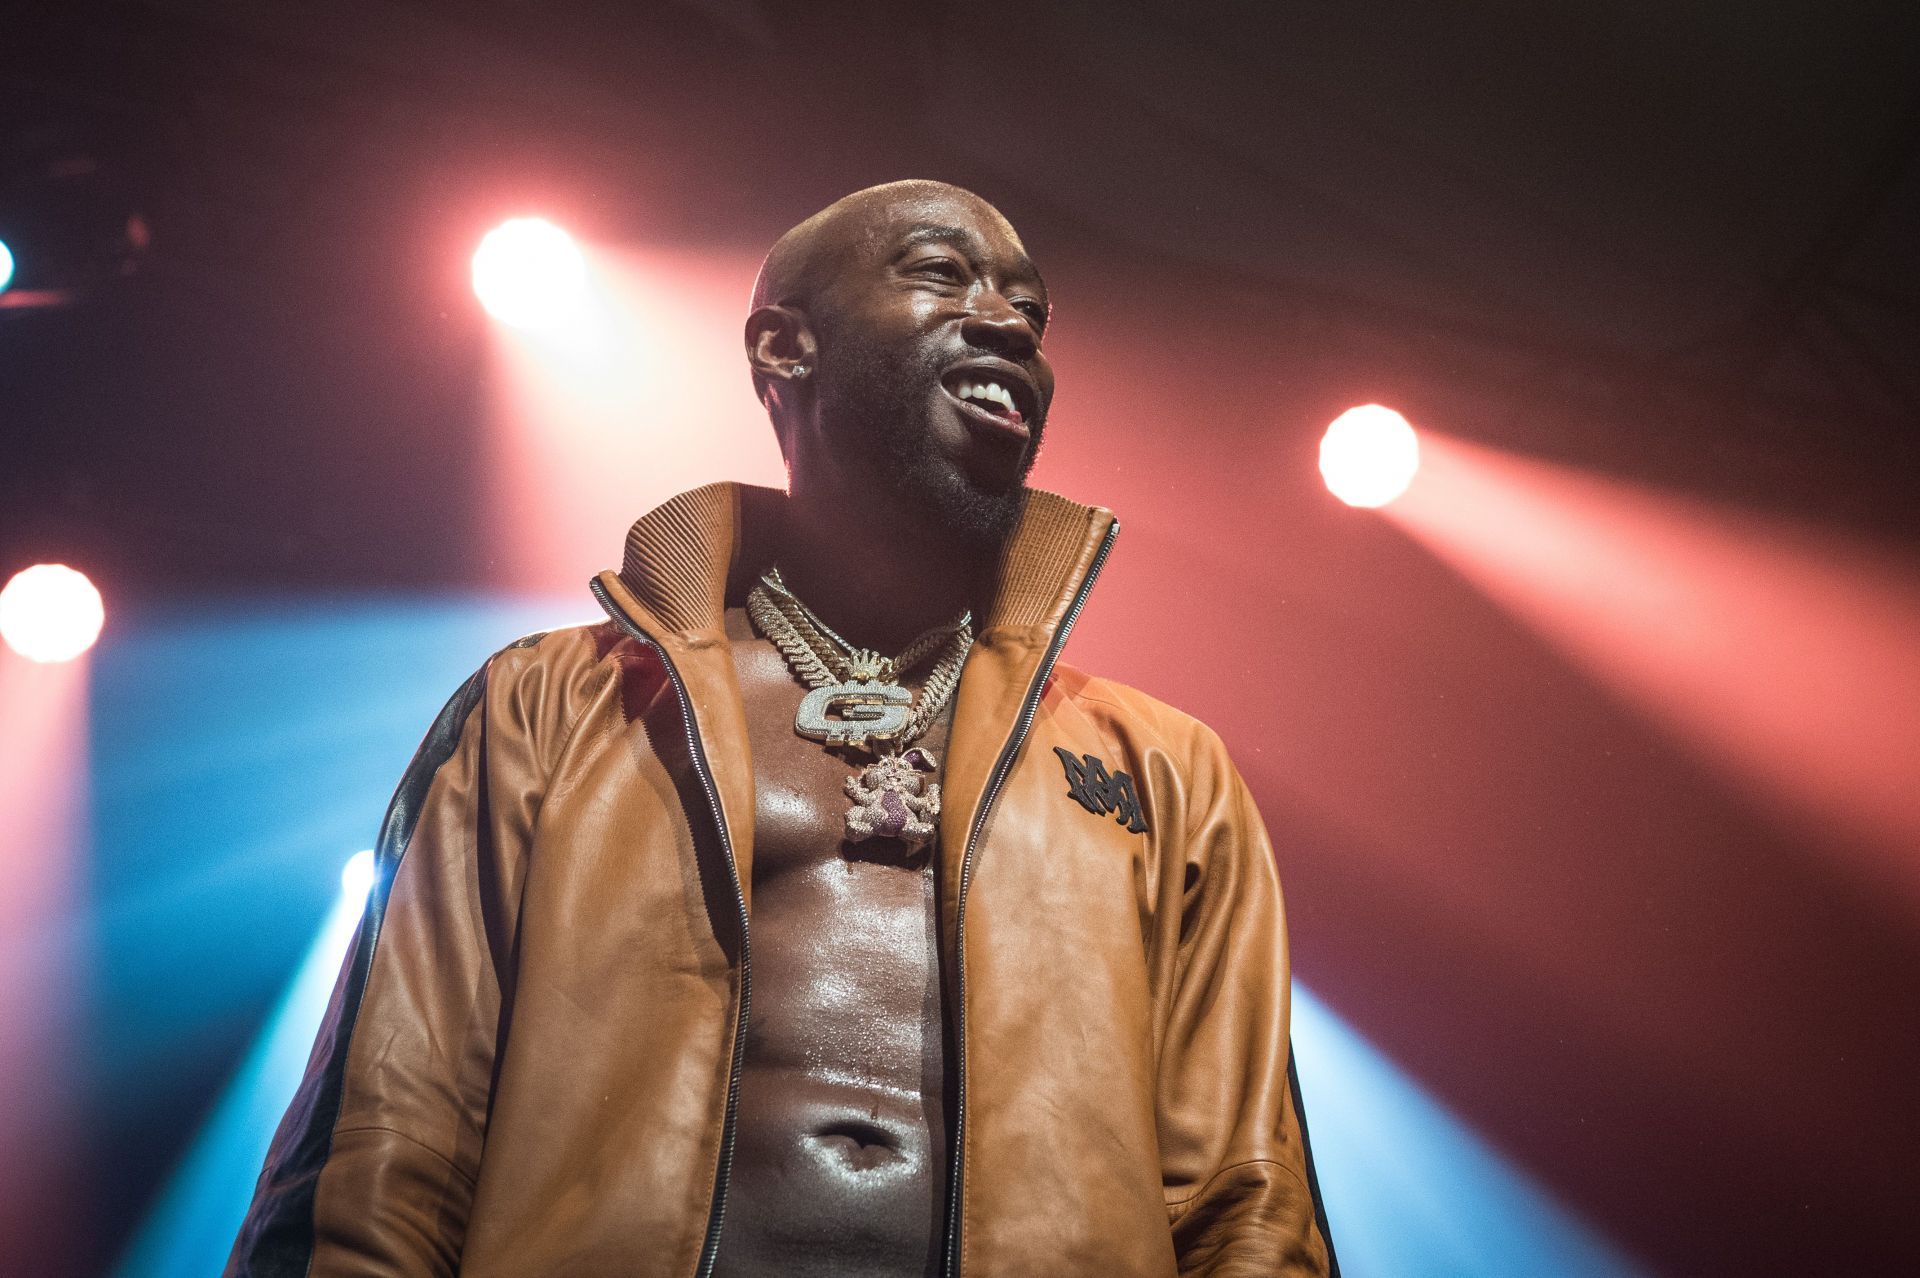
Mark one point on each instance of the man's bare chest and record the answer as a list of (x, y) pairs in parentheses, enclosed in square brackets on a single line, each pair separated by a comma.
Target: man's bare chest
[(804, 790), (842, 1132)]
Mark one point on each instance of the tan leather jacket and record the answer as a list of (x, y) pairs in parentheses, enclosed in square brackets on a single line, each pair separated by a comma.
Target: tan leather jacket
[(530, 1063)]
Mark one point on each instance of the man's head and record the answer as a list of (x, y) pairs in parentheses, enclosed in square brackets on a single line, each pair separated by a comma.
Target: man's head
[(895, 340)]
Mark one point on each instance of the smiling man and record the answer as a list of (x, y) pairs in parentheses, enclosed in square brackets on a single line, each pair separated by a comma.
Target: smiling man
[(809, 916)]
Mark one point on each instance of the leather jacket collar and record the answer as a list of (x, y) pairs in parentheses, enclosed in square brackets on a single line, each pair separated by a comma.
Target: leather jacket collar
[(689, 557)]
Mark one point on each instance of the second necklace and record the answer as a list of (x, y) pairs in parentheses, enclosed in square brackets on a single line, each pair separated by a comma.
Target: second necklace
[(856, 701)]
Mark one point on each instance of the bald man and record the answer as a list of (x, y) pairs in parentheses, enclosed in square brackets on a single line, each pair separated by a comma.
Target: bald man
[(809, 915)]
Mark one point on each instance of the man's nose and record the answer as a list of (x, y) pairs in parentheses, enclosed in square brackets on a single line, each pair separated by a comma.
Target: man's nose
[(992, 324)]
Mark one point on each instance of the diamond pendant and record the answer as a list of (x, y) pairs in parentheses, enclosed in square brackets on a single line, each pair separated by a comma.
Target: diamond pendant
[(866, 712), (892, 799)]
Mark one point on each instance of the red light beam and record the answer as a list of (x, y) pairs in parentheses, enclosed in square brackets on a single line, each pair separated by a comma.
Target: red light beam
[(597, 422), (1789, 657), (43, 798)]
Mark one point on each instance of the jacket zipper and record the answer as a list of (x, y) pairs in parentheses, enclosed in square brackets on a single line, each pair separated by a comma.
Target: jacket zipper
[(716, 1213), (950, 1265)]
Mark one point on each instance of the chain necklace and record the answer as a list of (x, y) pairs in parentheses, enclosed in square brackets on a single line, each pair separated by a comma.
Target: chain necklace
[(856, 700)]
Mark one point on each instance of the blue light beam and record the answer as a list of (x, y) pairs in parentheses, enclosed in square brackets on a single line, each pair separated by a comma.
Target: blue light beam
[(1410, 1191), (237, 749), (190, 1230)]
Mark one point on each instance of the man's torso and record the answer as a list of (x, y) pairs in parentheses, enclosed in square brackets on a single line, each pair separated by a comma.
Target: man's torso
[(840, 1160)]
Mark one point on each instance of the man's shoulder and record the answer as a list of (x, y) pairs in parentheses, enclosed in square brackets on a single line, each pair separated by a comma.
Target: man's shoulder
[(1125, 709), (555, 659), (582, 642)]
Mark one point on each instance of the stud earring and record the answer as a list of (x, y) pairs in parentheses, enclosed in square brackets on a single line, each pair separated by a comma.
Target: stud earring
[(800, 370)]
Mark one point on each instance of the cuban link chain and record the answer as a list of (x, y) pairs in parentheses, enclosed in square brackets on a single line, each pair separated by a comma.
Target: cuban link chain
[(856, 700)]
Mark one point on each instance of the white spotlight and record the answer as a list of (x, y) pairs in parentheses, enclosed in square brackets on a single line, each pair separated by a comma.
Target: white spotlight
[(529, 273), (50, 613), (1369, 455)]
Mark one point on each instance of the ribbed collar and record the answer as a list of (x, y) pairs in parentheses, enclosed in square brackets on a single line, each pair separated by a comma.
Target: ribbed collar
[(693, 554)]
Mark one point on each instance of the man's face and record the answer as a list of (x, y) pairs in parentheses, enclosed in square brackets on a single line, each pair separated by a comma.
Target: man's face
[(931, 379)]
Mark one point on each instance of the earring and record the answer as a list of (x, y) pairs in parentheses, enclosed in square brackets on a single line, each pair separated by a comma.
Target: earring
[(799, 370)]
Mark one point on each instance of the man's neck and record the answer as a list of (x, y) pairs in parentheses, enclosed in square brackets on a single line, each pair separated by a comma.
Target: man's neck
[(878, 584)]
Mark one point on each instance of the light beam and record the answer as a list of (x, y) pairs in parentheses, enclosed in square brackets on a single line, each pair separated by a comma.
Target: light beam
[(1781, 653), (193, 1225), (44, 837), (1410, 1191), (598, 423)]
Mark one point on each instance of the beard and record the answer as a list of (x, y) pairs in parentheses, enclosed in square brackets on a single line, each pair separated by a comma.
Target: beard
[(878, 401)]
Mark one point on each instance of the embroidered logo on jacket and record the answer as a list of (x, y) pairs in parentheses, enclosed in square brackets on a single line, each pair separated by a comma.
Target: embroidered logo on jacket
[(1100, 791)]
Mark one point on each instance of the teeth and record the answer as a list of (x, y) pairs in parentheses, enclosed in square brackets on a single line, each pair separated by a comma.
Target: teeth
[(988, 392)]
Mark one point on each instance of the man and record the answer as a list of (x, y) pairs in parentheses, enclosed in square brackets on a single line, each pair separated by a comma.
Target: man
[(710, 942)]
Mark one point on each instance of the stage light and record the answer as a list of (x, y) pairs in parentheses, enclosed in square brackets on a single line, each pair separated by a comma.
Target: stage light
[(358, 875), (6, 266), (529, 273), (50, 613), (1369, 455)]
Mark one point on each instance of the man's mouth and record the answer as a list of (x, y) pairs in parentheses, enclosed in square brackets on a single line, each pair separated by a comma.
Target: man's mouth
[(991, 399)]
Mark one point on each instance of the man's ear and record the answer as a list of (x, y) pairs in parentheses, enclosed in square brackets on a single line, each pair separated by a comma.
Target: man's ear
[(780, 344)]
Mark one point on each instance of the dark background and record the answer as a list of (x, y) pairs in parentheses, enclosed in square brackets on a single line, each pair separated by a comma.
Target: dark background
[(1670, 244)]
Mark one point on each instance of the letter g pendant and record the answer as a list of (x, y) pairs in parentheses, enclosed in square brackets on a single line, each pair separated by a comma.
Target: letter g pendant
[(853, 714)]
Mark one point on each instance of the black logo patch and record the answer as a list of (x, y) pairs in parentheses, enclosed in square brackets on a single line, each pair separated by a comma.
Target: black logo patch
[(1100, 791)]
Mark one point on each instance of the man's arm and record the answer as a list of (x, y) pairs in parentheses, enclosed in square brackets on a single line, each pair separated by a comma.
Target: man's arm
[(1234, 1159), (373, 1167)]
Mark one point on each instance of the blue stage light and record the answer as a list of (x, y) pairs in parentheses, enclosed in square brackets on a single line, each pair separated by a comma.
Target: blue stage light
[(358, 876), (6, 266)]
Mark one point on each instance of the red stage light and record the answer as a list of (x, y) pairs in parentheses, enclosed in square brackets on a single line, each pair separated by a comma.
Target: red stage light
[(50, 613), (1369, 455), (642, 394), (529, 273)]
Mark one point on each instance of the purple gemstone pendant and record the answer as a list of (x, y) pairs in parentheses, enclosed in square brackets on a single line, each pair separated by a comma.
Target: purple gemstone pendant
[(893, 799)]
